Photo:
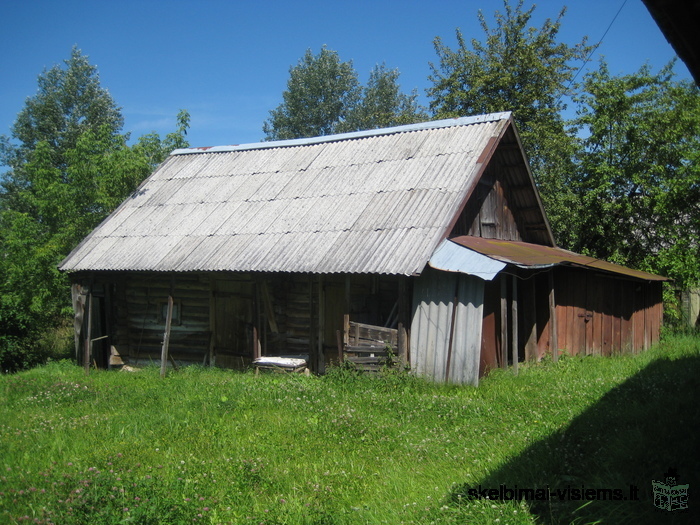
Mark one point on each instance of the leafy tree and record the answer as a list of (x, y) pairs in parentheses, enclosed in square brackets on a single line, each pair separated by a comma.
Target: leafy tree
[(70, 169), (69, 102), (383, 104), (638, 176), (324, 96), (320, 92), (521, 69)]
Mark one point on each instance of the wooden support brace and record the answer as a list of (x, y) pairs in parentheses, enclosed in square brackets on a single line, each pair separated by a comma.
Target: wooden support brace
[(514, 337), (166, 338)]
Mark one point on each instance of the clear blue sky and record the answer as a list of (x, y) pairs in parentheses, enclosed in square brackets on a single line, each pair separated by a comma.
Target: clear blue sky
[(227, 62)]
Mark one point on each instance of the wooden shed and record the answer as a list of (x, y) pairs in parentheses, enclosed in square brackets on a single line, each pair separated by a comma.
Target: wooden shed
[(434, 231)]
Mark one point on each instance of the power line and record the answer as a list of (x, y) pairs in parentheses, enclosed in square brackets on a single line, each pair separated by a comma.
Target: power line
[(588, 58)]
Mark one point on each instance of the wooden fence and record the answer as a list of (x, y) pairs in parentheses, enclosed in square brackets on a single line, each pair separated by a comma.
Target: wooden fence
[(371, 348)]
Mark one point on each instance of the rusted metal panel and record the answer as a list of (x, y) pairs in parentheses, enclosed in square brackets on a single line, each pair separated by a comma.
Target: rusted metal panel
[(534, 255)]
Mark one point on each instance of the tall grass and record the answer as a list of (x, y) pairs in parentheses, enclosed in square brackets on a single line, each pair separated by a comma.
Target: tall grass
[(215, 446)]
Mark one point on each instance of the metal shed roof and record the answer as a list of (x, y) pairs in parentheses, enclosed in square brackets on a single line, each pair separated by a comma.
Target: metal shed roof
[(378, 201), (527, 255)]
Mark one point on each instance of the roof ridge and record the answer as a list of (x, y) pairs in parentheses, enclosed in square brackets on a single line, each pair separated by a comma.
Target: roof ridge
[(432, 124)]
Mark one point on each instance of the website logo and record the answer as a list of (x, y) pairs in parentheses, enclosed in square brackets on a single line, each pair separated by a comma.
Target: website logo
[(669, 495)]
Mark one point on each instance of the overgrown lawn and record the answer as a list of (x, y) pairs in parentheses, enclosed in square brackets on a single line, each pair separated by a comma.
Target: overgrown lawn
[(216, 446)]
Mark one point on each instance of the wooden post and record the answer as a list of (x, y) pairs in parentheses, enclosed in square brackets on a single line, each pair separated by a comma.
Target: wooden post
[(312, 326), (553, 328), (339, 341), (346, 329), (504, 322), (321, 362), (403, 351), (530, 315), (514, 308), (452, 330), (88, 338), (256, 342), (166, 338)]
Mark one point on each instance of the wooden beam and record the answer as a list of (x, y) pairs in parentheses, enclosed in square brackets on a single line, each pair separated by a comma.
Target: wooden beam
[(531, 351), (166, 338), (88, 338), (321, 361), (452, 329), (339, 342), (553, 328), (514, 326), (402, 346), (504, 322), (256, 342)]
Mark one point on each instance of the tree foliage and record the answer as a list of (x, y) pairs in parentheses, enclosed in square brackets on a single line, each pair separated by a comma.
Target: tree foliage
[(637, 172), (522, 69), (70, 167), (69, 102), (320, 92), (382, 103), (324, 96)]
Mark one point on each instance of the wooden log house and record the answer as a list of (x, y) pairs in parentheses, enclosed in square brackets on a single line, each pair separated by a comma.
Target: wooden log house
[(433, 230)]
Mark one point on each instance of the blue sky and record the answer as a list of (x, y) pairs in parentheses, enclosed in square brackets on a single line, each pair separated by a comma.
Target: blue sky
[(227, 62)]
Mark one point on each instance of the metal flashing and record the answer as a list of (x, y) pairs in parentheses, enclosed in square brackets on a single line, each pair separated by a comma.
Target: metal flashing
[(435, 124)]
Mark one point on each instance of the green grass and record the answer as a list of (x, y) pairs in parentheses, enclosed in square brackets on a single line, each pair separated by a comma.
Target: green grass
[(216, 446)]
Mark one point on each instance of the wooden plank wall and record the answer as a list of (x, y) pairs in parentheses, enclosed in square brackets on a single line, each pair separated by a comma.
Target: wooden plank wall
[(488, 214), (604, 314), (596, 314)]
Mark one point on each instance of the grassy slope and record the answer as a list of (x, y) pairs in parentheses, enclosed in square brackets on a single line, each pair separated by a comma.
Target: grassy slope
[(213, 446)]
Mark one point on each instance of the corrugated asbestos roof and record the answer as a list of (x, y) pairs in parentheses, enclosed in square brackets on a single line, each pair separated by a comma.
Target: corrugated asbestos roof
[(369, 202), (528, 255)]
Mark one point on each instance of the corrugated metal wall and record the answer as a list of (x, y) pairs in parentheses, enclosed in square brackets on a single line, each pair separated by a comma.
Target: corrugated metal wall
[(433, 330)]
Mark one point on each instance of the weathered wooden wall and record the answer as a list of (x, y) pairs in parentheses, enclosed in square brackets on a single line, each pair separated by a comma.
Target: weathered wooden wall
[(487, 214), (602, 314), (141, 301), (222, 318), (595, 314)]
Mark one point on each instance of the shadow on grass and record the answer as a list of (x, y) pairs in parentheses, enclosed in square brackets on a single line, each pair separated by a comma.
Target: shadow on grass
[(631, 436)]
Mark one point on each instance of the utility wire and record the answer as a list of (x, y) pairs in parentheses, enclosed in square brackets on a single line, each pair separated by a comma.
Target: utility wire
[(588, 58)]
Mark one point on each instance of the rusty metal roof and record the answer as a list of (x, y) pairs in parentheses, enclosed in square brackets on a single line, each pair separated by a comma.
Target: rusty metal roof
[(378, 201), (529, 255)]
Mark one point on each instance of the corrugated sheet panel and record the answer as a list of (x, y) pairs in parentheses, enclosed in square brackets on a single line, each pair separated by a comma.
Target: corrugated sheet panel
[(371, 202), (435, 338), (533, 255), (451, 257)]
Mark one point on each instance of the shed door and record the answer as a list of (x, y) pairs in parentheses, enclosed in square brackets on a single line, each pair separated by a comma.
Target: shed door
[(582, 297)]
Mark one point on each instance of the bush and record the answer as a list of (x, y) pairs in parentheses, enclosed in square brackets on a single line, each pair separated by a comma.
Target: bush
[(20, 352)]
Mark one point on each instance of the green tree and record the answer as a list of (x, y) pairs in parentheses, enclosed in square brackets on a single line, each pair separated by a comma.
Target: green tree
[(521, 69), (69, 102), (70, 169), (321, 90), (638, 175), (382, 103), (324, 97)]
